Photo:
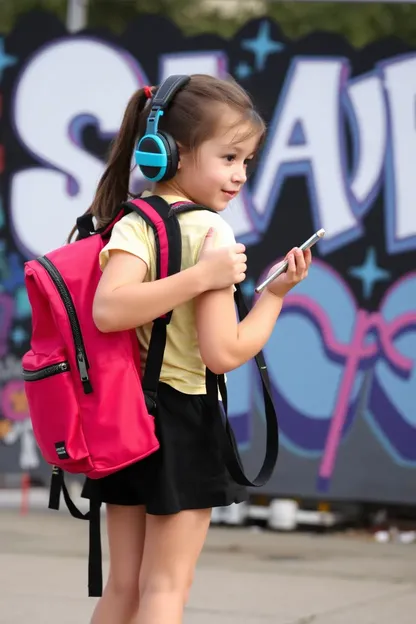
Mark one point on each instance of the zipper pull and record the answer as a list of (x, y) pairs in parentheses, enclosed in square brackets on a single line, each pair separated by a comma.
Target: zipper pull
[(84, 373)]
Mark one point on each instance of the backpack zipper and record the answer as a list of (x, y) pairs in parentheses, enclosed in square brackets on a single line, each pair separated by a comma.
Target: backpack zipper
[(65, 295), (46, 371)]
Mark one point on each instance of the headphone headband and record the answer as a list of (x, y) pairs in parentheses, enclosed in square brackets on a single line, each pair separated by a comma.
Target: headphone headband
[(168, 89)]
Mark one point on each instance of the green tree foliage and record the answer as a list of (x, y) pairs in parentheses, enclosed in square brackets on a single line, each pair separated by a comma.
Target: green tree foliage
[(10, 10), (360, 23), (187, 14)]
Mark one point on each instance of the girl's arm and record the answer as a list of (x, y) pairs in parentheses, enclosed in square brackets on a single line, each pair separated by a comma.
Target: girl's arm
[(123, 301), (226, 344)]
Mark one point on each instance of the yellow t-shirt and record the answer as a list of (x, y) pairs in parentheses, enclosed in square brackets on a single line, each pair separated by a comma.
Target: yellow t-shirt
[(182, 364)]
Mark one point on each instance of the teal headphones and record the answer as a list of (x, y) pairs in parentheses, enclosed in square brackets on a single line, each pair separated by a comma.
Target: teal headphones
[(157, 154)]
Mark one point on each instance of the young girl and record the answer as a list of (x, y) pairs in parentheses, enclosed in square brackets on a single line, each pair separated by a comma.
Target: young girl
[(158, 510)]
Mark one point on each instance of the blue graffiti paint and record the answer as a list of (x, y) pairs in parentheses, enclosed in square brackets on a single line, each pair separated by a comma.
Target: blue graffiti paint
[(6, 60), (243, 70), (23, 309), (262, 46), (2, 215), (369, 273), (19, 336), (14, 276)]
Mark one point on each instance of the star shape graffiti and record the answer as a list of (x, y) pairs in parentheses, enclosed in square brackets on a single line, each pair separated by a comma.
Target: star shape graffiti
[(262, 46), (6, 60), (369, 273)]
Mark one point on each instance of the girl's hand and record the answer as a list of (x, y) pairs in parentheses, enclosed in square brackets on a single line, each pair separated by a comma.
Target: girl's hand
[(299, 263), (221, 267)]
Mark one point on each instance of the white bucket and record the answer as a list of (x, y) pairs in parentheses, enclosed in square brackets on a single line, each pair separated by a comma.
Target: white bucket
[(283, 513)]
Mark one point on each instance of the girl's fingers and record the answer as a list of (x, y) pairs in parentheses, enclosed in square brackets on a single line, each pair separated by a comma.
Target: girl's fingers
[(291, 270), (300, 262), (308, 258)]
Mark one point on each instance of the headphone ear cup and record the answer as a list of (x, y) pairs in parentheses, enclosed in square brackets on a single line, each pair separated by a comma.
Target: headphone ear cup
[(172, 153), (151, 145)]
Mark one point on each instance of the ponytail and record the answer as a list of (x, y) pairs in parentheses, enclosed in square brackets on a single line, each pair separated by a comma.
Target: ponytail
[(113, 187)]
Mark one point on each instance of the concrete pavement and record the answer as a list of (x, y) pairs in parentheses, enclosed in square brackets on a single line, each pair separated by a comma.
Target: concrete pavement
[(245, 576)]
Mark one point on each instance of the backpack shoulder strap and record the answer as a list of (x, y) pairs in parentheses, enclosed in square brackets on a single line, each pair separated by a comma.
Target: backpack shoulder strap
[(181, 207), (158, 215)]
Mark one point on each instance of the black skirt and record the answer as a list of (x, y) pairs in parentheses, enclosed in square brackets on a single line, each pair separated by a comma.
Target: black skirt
[(187, 472)]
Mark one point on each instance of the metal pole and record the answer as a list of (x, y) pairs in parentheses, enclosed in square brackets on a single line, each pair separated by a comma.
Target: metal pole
[(76, 15)]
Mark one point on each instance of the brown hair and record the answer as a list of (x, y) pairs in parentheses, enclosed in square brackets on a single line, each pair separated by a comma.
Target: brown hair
[(190, 120)]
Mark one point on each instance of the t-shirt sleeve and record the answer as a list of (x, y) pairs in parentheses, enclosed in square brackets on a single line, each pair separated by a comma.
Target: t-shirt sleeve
[(224, 235), (130, 235)]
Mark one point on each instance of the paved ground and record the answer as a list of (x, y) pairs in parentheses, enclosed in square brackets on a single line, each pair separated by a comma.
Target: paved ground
[(245, 576)]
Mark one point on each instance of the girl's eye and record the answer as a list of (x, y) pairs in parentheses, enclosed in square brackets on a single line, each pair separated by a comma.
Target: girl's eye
[(232, 158)]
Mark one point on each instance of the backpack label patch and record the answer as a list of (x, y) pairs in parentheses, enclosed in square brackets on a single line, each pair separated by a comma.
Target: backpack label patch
[(61, 450)]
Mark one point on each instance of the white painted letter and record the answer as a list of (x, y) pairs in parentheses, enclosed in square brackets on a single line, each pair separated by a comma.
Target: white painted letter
[(305, 139), (400, 84), (370, 135), (64, 85)]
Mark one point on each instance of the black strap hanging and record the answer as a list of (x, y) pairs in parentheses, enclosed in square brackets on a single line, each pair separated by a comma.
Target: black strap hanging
[(231, 454)]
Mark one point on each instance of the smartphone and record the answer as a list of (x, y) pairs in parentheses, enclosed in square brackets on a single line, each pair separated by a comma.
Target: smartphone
[(283, 267)]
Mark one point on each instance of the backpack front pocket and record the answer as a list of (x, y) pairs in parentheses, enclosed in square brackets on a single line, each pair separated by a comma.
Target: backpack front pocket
[(54, 410), (46, 371)]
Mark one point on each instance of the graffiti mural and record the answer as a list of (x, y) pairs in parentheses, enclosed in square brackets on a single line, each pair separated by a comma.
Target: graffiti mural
[(15, 426), (339, 154)]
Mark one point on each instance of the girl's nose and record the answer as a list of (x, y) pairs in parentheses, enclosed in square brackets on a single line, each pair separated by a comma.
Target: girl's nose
[(240, 175)]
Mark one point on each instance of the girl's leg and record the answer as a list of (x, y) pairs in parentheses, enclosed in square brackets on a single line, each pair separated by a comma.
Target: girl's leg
[(120, 600), (171, 549)]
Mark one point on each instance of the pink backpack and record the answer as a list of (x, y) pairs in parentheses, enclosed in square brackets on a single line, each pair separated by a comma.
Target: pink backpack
[(91, 410), (72, 369)]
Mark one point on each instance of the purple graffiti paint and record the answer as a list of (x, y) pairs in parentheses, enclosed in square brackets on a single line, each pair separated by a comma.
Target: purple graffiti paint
[(6, 317)]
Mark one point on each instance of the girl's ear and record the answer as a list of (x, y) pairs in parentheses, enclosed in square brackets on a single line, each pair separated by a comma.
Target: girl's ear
[(184, 156), (180, 152)]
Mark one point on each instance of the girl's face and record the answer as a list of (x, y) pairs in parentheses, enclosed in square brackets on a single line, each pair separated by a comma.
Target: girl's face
[(217, 172)]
